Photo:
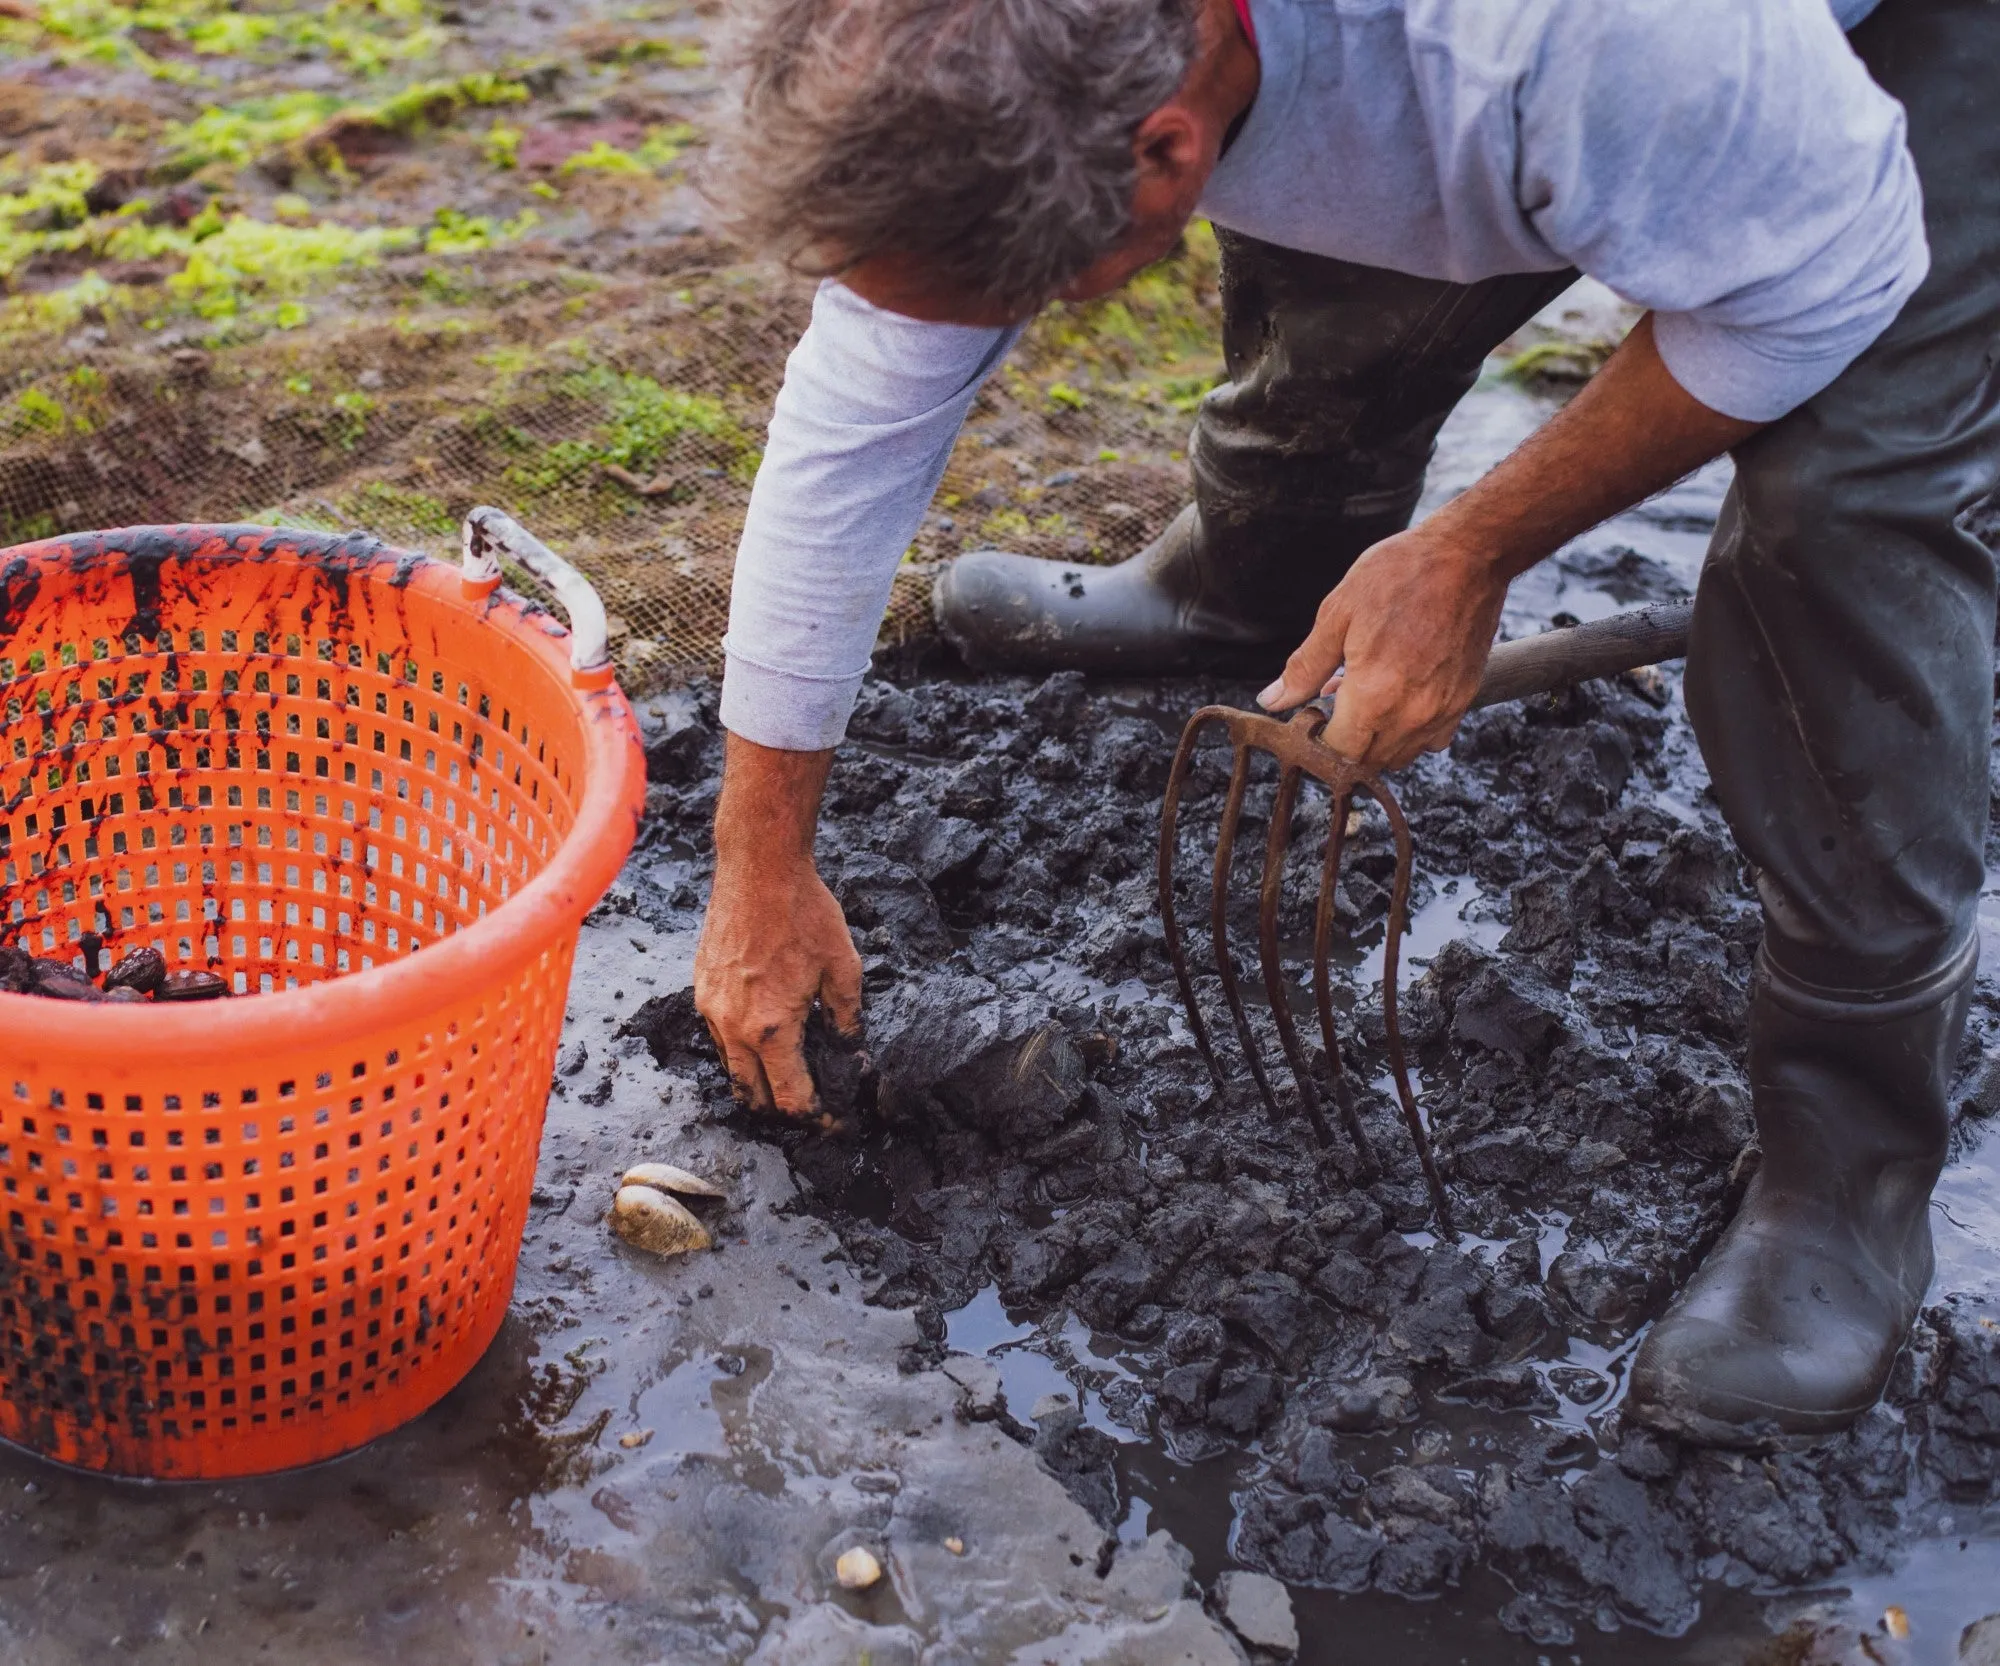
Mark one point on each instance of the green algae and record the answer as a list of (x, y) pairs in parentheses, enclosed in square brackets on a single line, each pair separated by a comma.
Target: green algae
[(364, 37)]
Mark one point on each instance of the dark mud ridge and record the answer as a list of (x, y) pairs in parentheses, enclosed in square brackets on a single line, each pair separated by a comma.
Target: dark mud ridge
[(1042, 1122)]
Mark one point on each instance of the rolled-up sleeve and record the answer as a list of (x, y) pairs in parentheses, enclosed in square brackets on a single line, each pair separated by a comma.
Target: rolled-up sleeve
[(864, 424), (1734, 168)]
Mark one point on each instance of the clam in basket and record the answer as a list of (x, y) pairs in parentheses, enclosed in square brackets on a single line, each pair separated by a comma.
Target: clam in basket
[(376, 794)]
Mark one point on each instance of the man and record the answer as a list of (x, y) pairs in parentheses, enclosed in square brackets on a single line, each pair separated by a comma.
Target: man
[(1398, 185)]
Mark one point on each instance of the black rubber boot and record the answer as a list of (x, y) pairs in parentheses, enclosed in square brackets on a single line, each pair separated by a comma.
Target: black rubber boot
[(1163, 611), (1788, 1331), (1340, 377), (1840, 678)]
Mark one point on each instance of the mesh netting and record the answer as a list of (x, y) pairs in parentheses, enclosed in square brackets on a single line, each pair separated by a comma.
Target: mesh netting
[(259, 268), (620, 419)]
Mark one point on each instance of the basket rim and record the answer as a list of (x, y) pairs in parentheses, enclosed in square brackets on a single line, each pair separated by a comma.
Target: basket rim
[(483, 955)]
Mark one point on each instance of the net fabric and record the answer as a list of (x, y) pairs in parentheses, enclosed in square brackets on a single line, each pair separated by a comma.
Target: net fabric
[(620, 420), (246, 1236)]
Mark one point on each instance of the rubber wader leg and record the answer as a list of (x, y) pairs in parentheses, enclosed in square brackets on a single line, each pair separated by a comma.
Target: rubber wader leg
[(1841, 683), (1340, 377)]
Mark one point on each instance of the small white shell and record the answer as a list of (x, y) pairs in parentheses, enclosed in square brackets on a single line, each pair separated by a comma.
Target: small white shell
[(664, 1177), (857, 1568), (654, 1222)]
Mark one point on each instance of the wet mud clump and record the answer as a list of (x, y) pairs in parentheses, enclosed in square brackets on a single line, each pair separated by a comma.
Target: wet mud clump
[(1041, 1122)]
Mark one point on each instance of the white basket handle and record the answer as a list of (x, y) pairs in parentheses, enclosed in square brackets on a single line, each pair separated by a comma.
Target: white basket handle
[(491, 533)]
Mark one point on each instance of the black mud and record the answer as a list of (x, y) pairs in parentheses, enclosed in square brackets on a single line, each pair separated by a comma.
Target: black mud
[(1041, 1123)]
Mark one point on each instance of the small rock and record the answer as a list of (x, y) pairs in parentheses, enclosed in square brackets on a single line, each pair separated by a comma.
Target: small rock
[(882, 713), (636, 1439), (1604, 1293), (674, 737), (1259, 1610), (656, 1223), (1516, 1386), (1979, 1643), (1363, 1407), (955, 1545), (979, 1388), (857, 1568)]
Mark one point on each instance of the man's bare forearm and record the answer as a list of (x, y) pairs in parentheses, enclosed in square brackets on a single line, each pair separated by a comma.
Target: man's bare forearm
[(770, 801), (1632, 431)]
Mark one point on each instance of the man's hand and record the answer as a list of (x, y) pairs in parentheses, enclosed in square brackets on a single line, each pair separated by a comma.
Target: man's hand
[(774, 939), (1403, 639)]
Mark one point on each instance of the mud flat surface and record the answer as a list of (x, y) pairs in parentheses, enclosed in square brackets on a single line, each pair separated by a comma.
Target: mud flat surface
[(1051, 1299)]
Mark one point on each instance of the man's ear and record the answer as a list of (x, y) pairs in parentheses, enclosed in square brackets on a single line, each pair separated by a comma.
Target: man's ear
[(1169, 146)]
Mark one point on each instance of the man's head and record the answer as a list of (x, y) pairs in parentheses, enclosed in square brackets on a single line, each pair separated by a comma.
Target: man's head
[(969, 160)]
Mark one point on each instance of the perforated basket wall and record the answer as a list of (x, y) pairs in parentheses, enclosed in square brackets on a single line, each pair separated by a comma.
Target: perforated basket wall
[(249, 1234)]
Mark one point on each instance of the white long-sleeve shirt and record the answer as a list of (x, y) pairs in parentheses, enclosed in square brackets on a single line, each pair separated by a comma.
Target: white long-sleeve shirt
[(1728, 164)]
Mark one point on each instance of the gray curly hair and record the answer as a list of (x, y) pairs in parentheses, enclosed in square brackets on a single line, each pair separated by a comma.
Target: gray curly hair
[(988, 140)]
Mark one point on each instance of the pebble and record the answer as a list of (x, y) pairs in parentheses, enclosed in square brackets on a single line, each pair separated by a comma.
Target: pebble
[(636, 1439), (656, 1223), (955, 1545), (857, 1569), (1259, 1610)]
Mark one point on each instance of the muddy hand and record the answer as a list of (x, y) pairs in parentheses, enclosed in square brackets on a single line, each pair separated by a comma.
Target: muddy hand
[(774, 940), (1402, 640), (773, 943)]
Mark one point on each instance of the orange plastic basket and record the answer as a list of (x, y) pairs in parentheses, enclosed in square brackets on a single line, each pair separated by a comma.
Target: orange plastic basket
[(378, 796)]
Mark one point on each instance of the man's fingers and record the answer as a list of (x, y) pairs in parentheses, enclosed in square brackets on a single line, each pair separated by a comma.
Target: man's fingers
[(791, 1083), (746, 1074), (840, 994), (1312, 663), (1353, 732)]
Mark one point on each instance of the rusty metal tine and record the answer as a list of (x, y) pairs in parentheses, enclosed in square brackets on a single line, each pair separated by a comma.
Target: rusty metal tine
[(1343, 1091), (1399, 908), (1225, 847), (1271, 892), (1176, 951)]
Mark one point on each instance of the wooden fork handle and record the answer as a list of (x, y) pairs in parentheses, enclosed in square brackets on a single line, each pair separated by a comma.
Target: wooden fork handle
[(1556, 659)]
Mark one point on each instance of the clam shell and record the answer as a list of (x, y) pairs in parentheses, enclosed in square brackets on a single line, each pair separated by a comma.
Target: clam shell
[(664, 1177), (656, 1223)]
